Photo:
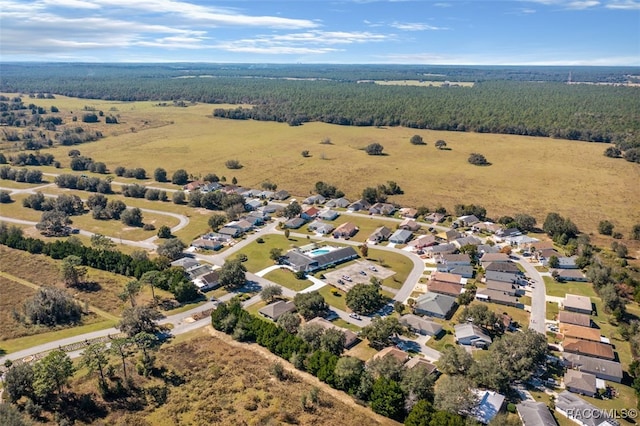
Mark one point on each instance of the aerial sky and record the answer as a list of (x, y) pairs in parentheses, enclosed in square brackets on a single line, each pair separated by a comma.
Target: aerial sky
[(438, 32)]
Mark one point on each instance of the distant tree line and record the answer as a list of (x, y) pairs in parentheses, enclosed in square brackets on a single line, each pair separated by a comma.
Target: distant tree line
[(83, 183), (20, 175)]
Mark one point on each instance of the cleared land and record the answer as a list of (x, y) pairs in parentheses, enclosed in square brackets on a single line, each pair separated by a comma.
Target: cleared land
[(534, 175)]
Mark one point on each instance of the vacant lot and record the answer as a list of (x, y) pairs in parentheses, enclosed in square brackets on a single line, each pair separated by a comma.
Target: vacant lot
[(528, 174)]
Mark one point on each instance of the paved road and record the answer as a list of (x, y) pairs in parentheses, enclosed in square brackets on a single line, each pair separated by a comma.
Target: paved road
[(538, 296)]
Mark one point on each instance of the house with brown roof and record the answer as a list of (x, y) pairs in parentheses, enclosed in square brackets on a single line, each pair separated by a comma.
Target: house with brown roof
[(450, 235), (601, 368), (380, 234), (409, 225), (422, 242), (408, 212), (394, 352), (577, 303), (541, 245), (579, 382), (434, 217), (446, 276), (589, 348), (419, 361), (566, 317), (192, 186), (309, 213), (486, 227), (384, 209), (494, 257), (350, 337), (346, 230), (275, 310), (443, 287), (494, 296), (579, 332), (506, 288)]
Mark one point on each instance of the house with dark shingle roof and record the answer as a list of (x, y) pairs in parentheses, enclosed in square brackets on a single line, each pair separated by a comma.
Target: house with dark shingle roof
[(570, 275), (338, 202), (567, 317), (294, 223), (421, 325), (346, 230), (535, 414), (423, 241), (601, 368), (380, 234), (435, 305), (275, 310), (579, 382)]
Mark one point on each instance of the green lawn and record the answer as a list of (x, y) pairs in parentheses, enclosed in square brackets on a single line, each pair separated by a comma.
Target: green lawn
[(552, 310), (253, 309), (525, 300), (555, 288), (541, 268), (337, 301), (286, 277), (397, 262), (345, 324), (439, 344), (362, 351), (258, 253)]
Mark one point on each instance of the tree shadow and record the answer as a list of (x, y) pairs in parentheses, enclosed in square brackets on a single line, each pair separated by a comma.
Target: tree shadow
[(89, 287), (81, 407)]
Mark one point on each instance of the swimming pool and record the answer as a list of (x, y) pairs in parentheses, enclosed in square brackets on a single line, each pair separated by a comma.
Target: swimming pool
[(318, 252)]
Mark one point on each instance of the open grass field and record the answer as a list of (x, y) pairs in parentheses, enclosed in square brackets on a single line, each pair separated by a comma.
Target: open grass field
[(555, 288), (334, 297), (286, 278), (533, 175), (258, 253)]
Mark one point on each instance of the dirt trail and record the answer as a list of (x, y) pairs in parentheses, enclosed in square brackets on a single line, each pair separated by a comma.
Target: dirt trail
[(306, 377)]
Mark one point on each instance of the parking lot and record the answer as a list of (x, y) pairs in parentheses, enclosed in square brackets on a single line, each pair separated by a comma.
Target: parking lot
[(359, 272)]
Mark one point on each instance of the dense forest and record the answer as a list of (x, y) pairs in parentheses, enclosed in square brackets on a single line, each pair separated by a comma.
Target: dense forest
[(532, 101)]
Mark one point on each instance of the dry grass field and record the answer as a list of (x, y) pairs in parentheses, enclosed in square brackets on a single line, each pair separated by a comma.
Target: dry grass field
[(535, 175)]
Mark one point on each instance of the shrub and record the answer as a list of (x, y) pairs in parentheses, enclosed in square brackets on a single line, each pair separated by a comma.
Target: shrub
[(478, 159), (149, 227), (417, 140), (233, 164), (374, 149)]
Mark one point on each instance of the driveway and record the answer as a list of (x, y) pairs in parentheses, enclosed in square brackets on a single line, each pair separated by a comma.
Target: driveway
[(538, 296)]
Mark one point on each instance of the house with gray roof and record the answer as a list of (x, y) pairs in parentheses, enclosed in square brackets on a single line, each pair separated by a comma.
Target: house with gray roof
[(580, 382), (506, 277), (440, 249), (581, 412), (466, 271), (494, 296), (577, 303), (294, 223), (421, 325), (509, 267), (435, 305), (328, 214), (281, 195), (275, 310), (338, 202), (314, 199), (185, 262), (401, 236), (230, 231), (533, 413), (206, 244), (384, 209), (359, 205), (569, 275), (601, 368), (469, 334), (252, 205), (467, 220), (434, 217), (321, 227), (380, 234), (468, 240), (309, 262)]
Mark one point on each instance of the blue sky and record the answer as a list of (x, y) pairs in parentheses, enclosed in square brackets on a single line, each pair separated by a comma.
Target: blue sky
[(454, 32)]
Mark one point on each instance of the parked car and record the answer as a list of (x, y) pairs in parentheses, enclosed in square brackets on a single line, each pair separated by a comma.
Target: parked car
[(354, 316)]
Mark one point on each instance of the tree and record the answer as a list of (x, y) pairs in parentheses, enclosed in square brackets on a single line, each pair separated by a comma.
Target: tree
[(180, 177), (398, 306), (290, 322), (613, 152), (171, 248), (164, 232), (332, 340), (553, 262), (440, 144), (374, 149), (151, 278), (275, 254), (605, 227), (380, 331), (525, 222), (287, 232), (96, 200), (101, 242), (54, 223), (132, 217), (292, 210), (216, 221), (364, 299), (130, 291), (311, 333), (556, 226), (305, 153), (417, 384), (270, 292), (51, 306), (417, 140), (387, 398), (635, 232), (5, 197), (18, 381), (620, 249), (364, 250), (454, 394), (121, 347), (233, 164), (481, 316), (51, 373), (233, 274), (138, 319), (455, 361), (178, 197), (160, 175), (71, 271), (94, 358), (347, 373), (440, 418), (478, 159), (310, 305), (420, 414), (115, 208)]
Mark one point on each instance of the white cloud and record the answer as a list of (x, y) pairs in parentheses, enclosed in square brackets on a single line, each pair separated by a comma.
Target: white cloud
[(582, 4), (415, 26), (74, 4), (624, 4)]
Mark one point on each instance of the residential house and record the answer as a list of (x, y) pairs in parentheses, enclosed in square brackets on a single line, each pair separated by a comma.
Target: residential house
[(466, 271), (350, 337), (486, 248), (359, 205), (423, 241), (435, 305), (566, 317), (394, 352), (577, 303), (503, 234), (242, 225), (281, 195), (401, 236), (467, 220), (541, 245), (275, 310), (315, 199), (306, 262), (408, 212), (493, 257), (533, 413), (450, 235), (266, 195), (443, 287), (580, 382), (380, 234), (569, 275), (198, 270), (206, 244), (210, 187), (564, 262), (271, 209), (495, 296), (489, 404), (251, 193), (588, 348), (506, 288), (575, 408), (447, 262), (506, 277), (447, 277), (294, 223), (508, 267), (579, 332), (521, 241), (489, 227), (383, 209), (208, 281), (409, 225), (434, 217), (254, 219), (419, 361), (310, 213), (346, 230), (185, 262), (328, 214), (601, 368), (468, 240), (232, 232), (432, 251), (338, 202), (545, 254), (421, 325), (471, 335), (321, 227), (252, 205), (193, 186)]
